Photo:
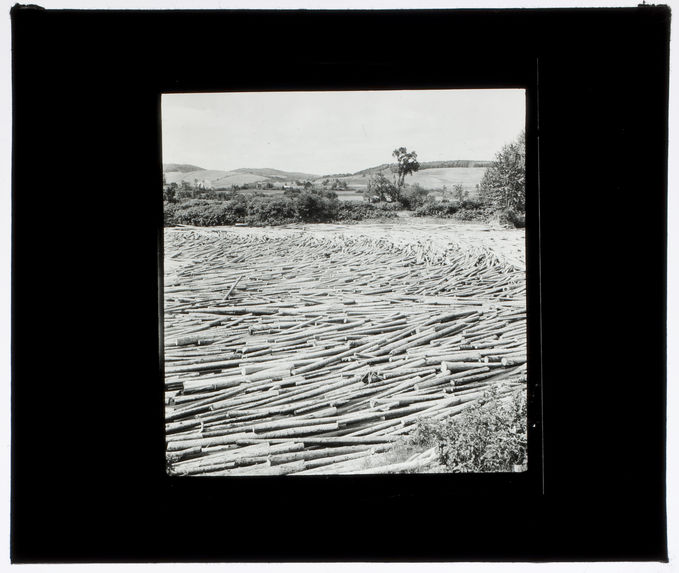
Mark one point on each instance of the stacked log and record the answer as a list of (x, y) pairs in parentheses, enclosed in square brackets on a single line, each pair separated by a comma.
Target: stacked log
[(289, 352)]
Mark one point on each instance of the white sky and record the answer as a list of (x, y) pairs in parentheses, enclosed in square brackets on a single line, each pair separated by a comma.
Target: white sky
[(337, 132)]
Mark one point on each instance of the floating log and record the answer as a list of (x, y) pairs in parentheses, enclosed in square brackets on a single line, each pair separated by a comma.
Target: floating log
[(314, 363)]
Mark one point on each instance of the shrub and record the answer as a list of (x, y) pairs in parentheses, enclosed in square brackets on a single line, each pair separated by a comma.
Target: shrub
[(354, 211), (460, 193), (467, 210), (271, 210), (413, 196), (185, 193), (388, 207), (314, 207), (199, 212), (433, 209), (490, 436), (516, 218), (483, 213), (258, 209), (238, 204), (170, 194), (169, 210)]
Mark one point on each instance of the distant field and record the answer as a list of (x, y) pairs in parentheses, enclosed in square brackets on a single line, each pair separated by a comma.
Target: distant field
[(431, 179), (436, 178), (468, 177), (350, 195), (215, 177)]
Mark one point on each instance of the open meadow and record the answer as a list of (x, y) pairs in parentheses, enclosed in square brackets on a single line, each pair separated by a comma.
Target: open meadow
[(317, 349)]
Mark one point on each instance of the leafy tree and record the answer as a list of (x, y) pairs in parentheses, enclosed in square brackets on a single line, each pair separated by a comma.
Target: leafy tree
[(169, 194), (406, 164), (459, 193), (381, 186), (504, 182), (338, 184)]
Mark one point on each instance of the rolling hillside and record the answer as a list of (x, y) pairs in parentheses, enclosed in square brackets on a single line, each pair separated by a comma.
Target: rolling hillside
[(431, 176), (181, 167), (275, 173), (468, 177), (430, 179), (219, 179)]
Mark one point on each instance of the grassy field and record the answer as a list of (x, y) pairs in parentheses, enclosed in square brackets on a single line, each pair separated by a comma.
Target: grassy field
[(431, 179), (216, 178), (468, 177)]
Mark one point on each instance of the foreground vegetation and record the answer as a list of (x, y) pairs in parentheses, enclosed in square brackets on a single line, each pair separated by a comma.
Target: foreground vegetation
[(309, 207), (491, 436)]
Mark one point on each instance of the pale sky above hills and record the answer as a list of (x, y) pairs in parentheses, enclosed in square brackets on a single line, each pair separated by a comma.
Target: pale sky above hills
[(337, 132)]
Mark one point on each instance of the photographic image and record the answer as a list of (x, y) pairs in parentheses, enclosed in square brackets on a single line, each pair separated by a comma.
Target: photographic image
[(344, 282)]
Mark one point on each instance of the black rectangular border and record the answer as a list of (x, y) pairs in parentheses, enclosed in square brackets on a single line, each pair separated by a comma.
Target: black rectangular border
[(85, 484)]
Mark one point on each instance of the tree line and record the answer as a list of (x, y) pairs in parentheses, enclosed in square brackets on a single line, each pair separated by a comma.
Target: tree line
[(500, 193)]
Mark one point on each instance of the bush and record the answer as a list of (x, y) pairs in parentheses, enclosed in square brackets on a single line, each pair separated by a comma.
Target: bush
[(199, 212), (184, 193), (170, 194), (433, 209), (314, 207), (413, 196), (490, 436), (354, 211), (238, 204), (460, 193), (271, 210), (516, 218), (467, 210), (169, 210), (257, 209), (388, 207)]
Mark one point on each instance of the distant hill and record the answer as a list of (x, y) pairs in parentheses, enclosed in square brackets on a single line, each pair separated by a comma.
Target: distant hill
[(432, 175), (431, 178), (275, 173), (437, 177), (372, 170), (461, 163), (180, 167), (218, 179), (214, 178)]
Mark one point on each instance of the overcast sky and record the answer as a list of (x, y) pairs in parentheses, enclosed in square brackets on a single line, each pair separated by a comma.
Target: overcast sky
[(337, 132)]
